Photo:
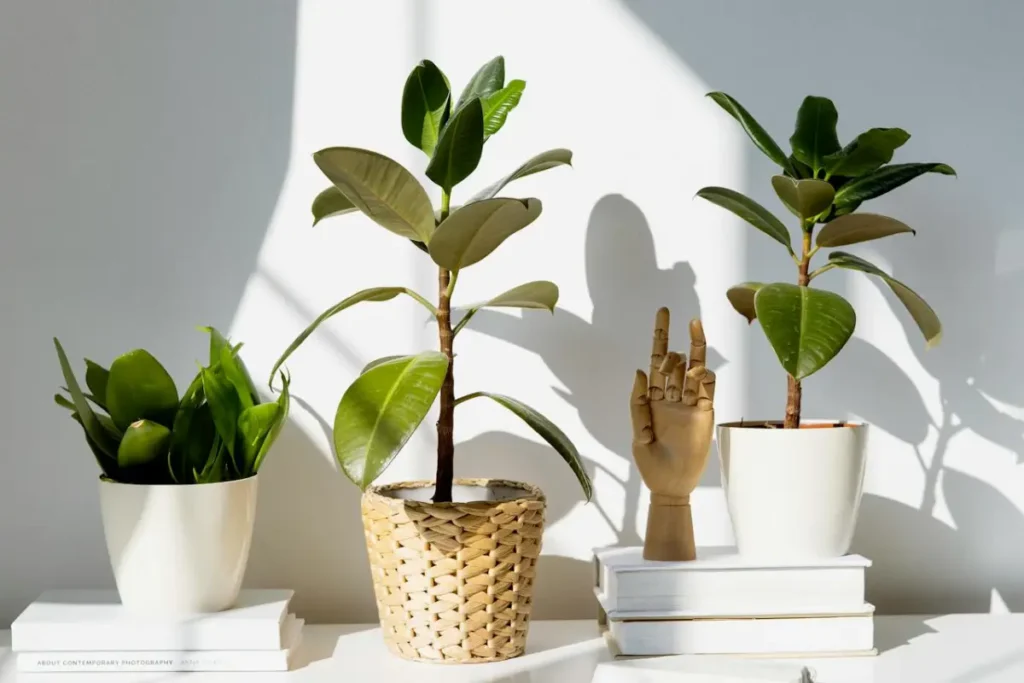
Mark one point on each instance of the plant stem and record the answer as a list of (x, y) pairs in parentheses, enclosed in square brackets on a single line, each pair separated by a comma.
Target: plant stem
[(794, 390), (446, 418)]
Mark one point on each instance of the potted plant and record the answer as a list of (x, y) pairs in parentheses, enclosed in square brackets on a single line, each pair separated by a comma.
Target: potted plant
[(452, 560), (179, 474), (793, 487)]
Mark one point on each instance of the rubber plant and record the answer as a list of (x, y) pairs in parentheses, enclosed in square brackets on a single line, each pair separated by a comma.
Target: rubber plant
[(822, 183), (142, 432), (383, 407)]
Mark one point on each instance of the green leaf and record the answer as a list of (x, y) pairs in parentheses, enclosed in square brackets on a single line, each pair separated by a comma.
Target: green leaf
[(144, 442), (742, 299), (106, 463), (869, 150), (381, 410), (798, 169), (377, 361), (815, 135), (458, 151), (424, 103), (331, 202), (372, 294), (254, 424), (541, 162), (63, 402), (93, 429), (498, 105), (547, 430), (923, 314), (381, 188), (224, 405), (750, 211), (475, 230), (190, 431), (139, 388), (489, 79), (859, 227), (213, 470), (755, 132), (96, 377), (283, 405), (804, 198), (885, 180), (539, 294), (806, 327)]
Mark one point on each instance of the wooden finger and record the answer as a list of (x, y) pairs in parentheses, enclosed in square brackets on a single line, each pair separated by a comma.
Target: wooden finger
[(656, 384), (674, 388), (640, 410), (691, 384), (706, 391), (671, 361), (698, 344)]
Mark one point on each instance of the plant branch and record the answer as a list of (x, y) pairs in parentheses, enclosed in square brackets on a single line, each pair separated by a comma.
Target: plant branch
[(465, 319), (451, 284), (446, 418), (467, 397), (426, 304), (819, 271)]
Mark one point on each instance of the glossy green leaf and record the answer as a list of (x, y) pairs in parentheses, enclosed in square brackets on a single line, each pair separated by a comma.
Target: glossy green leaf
[(497, 106), (815, 135), (798, 169), (804, 198), (859, 227), (547, 430), (254, 424), (750, 211), (475, 230), (885, 180), (381, 188), (489, 79), (96, 377), (225, 406), (758, 135), (806, 327), (86, 417), (372, 294), (331, 202), (458, 151), (381, 410), (425, 100), (139, 388), (869, 150), (283, 407), (541, 162), (190, 431), (144, 442), (539, 294), (213, 470), (377, 361), (742, 299), (923, 314)]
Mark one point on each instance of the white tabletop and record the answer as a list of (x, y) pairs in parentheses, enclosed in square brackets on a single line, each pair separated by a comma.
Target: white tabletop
[(916, 649)]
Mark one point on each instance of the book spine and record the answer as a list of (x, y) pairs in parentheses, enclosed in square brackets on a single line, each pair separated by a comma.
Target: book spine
[(68, 637), (162, 662)]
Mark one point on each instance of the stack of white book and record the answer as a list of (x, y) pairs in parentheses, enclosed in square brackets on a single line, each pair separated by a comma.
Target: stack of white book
[(722, 604), (89, 631)]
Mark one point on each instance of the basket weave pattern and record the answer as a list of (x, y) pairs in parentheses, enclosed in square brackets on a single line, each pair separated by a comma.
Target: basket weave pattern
[(454, 581)]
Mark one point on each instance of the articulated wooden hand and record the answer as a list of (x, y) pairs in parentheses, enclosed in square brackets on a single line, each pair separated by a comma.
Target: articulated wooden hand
[(673, 419)]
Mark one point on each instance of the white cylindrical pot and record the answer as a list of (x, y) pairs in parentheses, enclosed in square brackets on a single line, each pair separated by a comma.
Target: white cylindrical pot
[(793, 493), (178, 549)]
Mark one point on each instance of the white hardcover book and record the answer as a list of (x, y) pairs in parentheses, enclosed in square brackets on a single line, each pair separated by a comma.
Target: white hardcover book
[(690, 669), (95, 621), (169, 660), (721, 583)]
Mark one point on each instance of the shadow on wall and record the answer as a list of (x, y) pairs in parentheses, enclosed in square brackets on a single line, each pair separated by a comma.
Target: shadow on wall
[(967, 260), (142, 151)]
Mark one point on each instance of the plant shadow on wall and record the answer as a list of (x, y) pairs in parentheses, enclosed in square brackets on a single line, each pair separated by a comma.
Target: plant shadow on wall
[(596, 361), (959, 262)]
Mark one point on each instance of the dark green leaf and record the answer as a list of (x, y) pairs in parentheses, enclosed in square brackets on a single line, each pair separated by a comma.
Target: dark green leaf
[(806, 327), (144, 442), (868, 151), (190, 432), (489, 79), (224, 405), (798, 169), (424, 102), (815, 135), (93, 429), (541, 162), (139, 388), (458, 151), (107, 464), (477, 229), (750, 211), (859, 227), (254, 424), (804, 198), (498, 105), (884, 180), (213, 470), (331, 202), (284, 405), (742, 299), (540, 294), (757, 134), (96, 377)]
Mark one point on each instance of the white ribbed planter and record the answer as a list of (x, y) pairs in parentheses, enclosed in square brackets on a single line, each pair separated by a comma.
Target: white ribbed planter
[(793, 493), (178, 549)]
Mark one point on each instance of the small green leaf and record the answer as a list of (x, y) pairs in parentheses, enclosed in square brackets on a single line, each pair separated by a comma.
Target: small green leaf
[(458, 151), (144, 442), (923, 314), (870, 150), (815, 135), (859, 227), (755, 132), (742, 299), (283, 407), (425, 100), (331, 202), (96, 377), (806, 327), (750, 211), (213, 470), (489, 79), (804, 198), (381, 188), (547, 430), (475, 230), (192, 432), (885, 180), (224, 405), (86, 417), (539, 294), (254, 424), (541, 162), (499, 104), (63, 402), (381, 410), (139, 388)]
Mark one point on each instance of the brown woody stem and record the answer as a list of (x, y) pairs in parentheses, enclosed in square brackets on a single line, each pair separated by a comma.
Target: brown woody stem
[(446, 418), (794, 390)]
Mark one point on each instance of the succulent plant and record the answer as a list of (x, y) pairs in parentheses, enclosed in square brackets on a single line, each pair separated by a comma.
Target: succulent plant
[(142, 432)]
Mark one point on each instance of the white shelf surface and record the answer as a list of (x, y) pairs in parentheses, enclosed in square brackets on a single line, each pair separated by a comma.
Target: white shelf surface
[(961, 648)]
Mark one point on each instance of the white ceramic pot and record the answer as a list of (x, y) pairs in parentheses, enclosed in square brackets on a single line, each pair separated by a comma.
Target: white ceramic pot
[(793, 493), (178, 549)]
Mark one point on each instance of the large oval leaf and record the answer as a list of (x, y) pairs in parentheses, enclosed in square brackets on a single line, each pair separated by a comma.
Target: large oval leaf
[(869, 150), (475, 230), (923, 314), (539, 294), (742, 299), (815, 135), (547, 430), (804, 198), (381, 410), (331, 202), (458, 151), (144, 442), (859, 227), (97, 435), (884, 180), (541, 162), (425, 100), (750, 211), (806, 327), (381, 188), (758, 135), (139, 388), (499, 104), (488, 79)]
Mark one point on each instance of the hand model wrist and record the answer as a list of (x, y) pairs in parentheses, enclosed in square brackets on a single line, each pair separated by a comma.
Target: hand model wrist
[(669, 500)]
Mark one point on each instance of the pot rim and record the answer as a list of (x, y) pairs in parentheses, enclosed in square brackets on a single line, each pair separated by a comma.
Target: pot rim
[(105, 481), (381, 491), (815, 422)]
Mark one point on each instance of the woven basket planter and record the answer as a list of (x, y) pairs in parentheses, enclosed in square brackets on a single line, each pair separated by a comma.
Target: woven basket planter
[(454, 581)]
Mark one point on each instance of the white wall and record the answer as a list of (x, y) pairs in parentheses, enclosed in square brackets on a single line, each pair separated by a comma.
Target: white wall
[(155, 174)]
